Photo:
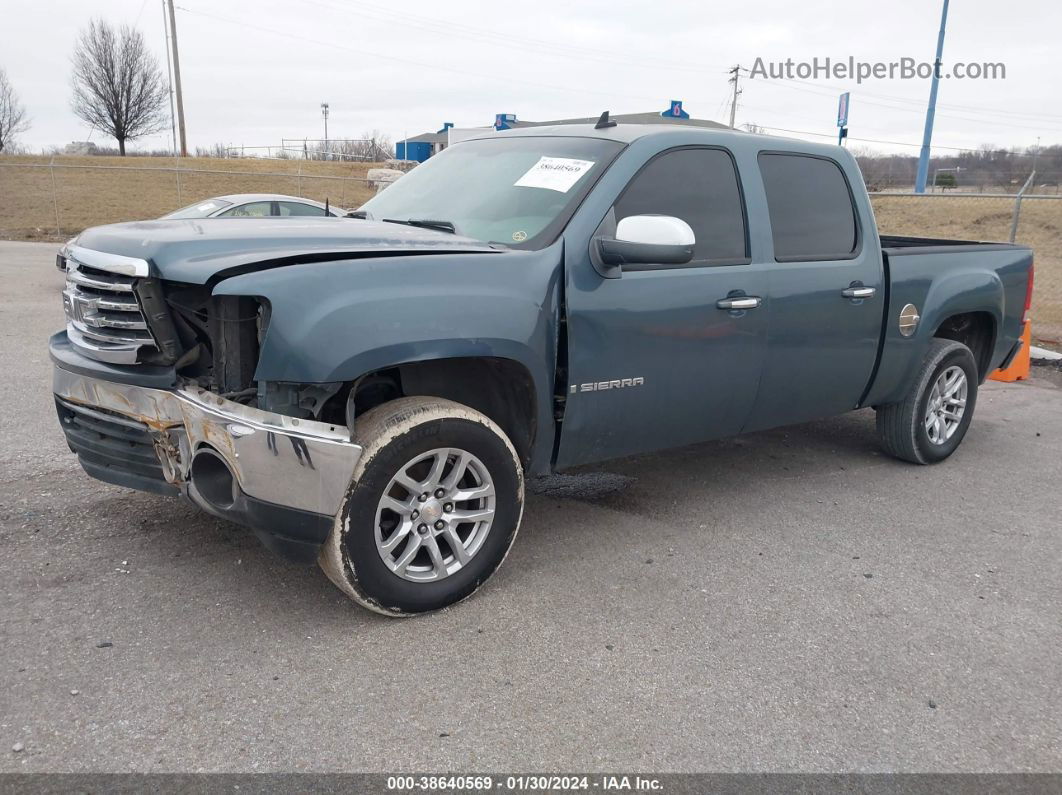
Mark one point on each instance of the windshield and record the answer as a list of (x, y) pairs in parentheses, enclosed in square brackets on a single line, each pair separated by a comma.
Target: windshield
[(516, 191), (199, 209)]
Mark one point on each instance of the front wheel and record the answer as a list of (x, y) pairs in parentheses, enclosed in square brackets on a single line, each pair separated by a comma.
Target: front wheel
[(930, 422), (434, 507)]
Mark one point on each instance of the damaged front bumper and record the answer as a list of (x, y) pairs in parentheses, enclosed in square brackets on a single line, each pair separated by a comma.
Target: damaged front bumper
[(285, 478)]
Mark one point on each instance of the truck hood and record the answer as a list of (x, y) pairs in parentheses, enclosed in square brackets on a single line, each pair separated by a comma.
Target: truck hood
[(197, 250)]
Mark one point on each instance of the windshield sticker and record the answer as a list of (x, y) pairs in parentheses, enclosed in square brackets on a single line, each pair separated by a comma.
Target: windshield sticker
[(206, 206), (554, 173), (520, 236)]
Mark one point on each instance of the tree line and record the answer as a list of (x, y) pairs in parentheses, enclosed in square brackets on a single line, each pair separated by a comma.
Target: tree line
[(989, 169)]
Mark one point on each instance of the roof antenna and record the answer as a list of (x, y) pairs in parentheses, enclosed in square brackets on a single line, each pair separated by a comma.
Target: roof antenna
[(604, 122)]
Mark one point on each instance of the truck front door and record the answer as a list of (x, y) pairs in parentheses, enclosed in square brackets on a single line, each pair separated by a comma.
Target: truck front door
[(653, 360), (826, 292)]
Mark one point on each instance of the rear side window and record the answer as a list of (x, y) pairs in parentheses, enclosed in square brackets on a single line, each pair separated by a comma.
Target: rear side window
[(298, 208), (699, 186), (812, 215)]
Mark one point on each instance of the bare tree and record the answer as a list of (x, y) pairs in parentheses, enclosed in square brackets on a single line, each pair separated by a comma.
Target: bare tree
[(372, 146), (13, 118), (118, 85)]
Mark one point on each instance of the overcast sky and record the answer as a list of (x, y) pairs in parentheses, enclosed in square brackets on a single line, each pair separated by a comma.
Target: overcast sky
[(256, 71)]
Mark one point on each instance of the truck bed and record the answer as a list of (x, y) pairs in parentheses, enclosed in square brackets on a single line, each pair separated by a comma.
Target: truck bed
[(902, 244), (942, 279)]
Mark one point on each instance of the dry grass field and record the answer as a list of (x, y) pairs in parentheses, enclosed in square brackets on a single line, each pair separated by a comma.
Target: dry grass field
[(100, 190), (974, 218)]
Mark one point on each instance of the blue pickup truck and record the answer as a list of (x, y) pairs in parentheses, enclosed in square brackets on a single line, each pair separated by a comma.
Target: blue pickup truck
[(369, 392)]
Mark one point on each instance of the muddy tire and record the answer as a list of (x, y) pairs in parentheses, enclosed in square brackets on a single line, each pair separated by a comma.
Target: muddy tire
[(930, 422), (434, 508)]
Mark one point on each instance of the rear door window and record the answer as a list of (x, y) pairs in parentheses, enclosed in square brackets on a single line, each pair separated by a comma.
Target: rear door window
[(812, 213)]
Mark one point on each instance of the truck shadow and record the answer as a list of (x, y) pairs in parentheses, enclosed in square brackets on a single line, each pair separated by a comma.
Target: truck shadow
[(192, 552), (636, 484)]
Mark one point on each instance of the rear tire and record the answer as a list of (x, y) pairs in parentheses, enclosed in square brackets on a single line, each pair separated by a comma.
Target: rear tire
[(433, 509), (930, 422)]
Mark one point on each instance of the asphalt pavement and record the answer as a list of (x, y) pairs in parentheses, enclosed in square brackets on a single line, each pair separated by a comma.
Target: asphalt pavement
[(793, 600)]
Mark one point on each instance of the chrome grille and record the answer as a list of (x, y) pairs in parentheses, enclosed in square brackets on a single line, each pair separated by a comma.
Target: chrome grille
[(103, 317)]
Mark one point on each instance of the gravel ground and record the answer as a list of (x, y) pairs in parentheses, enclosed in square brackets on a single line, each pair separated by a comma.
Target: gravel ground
[(788, 601)]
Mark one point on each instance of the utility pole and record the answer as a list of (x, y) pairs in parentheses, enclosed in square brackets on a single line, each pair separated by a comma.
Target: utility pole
[(1036, 154), (927, 136), (735, 75), (169, 75), (177, 83)]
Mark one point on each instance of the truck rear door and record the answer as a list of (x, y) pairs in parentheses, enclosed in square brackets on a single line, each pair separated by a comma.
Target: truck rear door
[(825, 289), (654, 360)]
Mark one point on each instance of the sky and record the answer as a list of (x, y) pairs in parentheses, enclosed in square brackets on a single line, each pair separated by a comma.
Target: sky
[(256, 71)]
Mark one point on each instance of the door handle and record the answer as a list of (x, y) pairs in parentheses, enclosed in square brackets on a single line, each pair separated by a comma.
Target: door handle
[(858, 292), (739, 302)]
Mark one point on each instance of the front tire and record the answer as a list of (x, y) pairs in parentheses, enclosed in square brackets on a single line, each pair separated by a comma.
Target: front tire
[(929, 424), (433, 510)]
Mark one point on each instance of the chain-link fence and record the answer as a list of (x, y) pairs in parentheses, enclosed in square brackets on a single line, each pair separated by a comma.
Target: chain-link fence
[(45, 198), (970, 216)]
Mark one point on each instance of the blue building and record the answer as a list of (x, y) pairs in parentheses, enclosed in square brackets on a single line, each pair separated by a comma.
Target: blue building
[(421, 147)]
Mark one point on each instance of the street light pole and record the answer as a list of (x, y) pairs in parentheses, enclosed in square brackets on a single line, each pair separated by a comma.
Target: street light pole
[(936, 177), (927, 135), (324, 115)]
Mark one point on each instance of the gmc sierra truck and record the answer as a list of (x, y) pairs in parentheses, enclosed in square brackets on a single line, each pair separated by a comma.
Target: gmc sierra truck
[(370, 392)]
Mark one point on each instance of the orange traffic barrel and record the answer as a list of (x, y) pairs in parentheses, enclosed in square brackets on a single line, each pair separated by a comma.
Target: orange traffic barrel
[(1019, 368)]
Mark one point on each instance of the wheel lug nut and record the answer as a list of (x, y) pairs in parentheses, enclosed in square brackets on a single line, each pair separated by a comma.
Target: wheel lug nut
[(449, 507), (423, 497), (415, 514), (439, 493), (422, 529), (440, 524)]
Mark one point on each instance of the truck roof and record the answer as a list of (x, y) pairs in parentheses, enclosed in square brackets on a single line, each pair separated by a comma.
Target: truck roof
[(629, 133)]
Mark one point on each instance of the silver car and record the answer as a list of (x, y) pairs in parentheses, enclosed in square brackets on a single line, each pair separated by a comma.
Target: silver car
[(242, 205), (255, 205)]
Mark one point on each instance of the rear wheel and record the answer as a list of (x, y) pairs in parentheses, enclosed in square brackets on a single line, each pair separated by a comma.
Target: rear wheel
[(930, 422), (433, 510)]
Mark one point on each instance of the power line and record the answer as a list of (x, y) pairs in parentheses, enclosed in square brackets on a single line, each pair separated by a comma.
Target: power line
[(980, 119), (506, 40), (876, 140), (140, 13), (587, 54), (503, 39), (431, 67), (824, 90)]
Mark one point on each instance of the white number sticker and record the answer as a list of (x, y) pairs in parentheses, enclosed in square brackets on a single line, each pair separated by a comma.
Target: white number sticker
[(554, 173)]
